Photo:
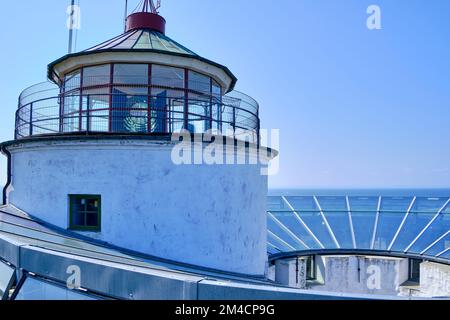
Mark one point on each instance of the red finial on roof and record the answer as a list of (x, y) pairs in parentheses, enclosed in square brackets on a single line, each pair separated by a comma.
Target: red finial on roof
[(146, 16)]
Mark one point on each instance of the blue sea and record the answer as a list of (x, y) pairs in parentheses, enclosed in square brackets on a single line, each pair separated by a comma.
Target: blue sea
[(386, 192)]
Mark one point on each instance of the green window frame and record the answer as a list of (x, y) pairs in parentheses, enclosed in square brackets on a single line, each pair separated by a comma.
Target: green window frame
[(85, 212)]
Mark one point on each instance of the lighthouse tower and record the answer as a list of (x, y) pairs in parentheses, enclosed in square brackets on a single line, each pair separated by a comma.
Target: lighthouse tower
[(94, 152)]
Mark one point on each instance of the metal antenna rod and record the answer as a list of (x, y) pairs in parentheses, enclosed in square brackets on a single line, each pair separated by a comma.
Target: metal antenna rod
[(126, 15), (71, 26)]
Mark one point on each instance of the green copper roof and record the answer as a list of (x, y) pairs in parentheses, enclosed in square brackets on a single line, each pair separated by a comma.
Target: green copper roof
[(143, 40)]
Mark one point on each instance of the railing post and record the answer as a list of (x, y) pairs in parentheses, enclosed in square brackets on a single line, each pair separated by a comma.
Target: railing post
[(234, 122), (16, 131), (186, 99), (31, 119), (258, 132), (88, 116)]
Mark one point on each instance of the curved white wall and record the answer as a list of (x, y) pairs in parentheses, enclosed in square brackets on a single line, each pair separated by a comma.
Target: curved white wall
[(211, 216)]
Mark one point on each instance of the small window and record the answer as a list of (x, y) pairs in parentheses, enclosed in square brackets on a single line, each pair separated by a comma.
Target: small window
[(311, 268), (414, 270), (85, 213)]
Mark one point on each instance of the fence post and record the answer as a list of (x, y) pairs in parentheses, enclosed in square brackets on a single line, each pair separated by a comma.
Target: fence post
[(31, 119)]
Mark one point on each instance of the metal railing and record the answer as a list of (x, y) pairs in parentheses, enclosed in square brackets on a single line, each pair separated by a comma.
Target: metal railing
[(45, 110)]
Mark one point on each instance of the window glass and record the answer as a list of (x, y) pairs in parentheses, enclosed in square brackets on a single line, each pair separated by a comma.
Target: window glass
[(33, 289), (130, 110), (85, 212), (96, 76), (336, 212), (72, 81), (315, 222), (311, 268), (436, 247), (216, 89), (363, 226), (414, 270), (388, 224), (302, 203), (422, 213), (167, 110), (199, 113), (291, 222), (131, 74), (96, 104), (199, 82), (216, 107), (6, 279), (339, 222), (279, 243), (279, 230), (72, 111), (167, 76), (393, 210)]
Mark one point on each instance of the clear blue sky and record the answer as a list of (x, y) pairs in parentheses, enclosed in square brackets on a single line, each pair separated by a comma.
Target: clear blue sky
[(355, 108)]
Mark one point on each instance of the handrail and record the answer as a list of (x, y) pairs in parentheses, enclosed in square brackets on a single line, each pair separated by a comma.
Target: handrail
[(75, 112), (48, 89)]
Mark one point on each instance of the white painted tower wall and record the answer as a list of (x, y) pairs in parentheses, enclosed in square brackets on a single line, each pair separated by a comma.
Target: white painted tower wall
[(207, 215)]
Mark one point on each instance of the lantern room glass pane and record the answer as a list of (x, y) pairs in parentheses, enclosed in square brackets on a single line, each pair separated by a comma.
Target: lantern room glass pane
[(71, 112), (6, 278), (216, 89), (130, 110), (33, 289), (216, 108), (131, 74), (97, 75), (170, 77), (199, 83), (167, 110), (72, 81), (199, 113), (96, 104)]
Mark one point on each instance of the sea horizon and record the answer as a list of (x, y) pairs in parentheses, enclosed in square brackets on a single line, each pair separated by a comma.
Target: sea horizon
[(393, 192)]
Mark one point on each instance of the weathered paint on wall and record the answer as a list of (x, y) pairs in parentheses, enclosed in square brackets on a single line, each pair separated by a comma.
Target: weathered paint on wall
[(434, 280), (291, 273), (362, 274), (211, 216)]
